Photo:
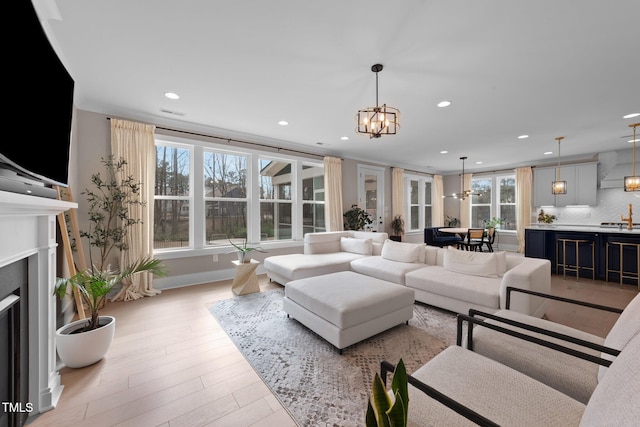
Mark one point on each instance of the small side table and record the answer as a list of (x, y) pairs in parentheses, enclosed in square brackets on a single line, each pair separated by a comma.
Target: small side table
[(245, 280)]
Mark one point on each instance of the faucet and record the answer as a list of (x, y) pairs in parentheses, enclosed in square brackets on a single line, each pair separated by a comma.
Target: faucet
[(629, 220)]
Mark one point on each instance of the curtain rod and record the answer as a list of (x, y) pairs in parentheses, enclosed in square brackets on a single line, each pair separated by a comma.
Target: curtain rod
[(228, 140)]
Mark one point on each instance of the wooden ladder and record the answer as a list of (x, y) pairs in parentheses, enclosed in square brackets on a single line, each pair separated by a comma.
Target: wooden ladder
[(65, 195)]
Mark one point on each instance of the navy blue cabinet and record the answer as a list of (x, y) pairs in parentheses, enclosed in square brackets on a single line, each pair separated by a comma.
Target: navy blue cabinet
[(542, 243)]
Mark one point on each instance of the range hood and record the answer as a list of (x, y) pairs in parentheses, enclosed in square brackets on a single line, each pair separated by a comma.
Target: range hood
[(613, 166)]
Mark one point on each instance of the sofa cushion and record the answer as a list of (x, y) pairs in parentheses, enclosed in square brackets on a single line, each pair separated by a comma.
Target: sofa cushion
[(381, 268), (376, 248), (497, 392), (402, 252), (477, 290), (615, 400), (501, 262), (571, 375), (431, 255), (625, 328), (356, 246), (473, 263)]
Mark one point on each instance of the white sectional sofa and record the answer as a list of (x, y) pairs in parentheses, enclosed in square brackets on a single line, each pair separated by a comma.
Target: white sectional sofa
[(443, 277)]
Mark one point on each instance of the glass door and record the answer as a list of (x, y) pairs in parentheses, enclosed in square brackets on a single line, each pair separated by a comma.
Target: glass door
[(371, 194)]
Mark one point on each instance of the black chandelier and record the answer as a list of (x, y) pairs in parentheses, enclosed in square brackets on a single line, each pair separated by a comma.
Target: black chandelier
[(463, 194), (379, 120)]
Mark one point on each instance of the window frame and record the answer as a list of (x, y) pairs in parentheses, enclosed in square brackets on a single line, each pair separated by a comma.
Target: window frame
[(197, 216), (421, 205), (494, 205)]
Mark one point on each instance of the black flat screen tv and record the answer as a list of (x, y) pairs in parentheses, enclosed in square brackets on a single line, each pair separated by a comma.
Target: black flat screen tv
[(41, 105)]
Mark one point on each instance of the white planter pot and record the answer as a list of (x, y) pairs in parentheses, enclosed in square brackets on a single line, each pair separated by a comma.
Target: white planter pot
[(85, 348)]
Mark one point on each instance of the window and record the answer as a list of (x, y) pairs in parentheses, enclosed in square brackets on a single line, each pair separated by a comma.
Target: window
[(312, 199), (276, 218), (206, 194), (418, 205), (497, 199), (225, 197), (173, 196)]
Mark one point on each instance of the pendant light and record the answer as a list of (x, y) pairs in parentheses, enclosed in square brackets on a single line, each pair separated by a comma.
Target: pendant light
[(379, 120), (558, 186), (632, 183), (463, 194)]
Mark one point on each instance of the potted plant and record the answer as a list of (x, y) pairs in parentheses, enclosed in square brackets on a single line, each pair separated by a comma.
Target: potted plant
[(397, 228), (356, 218), (545, 218), (86, 341), (382, 409), (451, 221), (493, 223), (244, 250)]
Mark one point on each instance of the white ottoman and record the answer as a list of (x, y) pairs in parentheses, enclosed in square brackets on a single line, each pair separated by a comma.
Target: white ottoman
[(346, 307)]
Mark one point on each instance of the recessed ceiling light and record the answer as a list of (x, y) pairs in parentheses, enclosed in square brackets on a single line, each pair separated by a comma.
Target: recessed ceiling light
[(546, 153), (172, 95), (344, 138), (283, 123), (478, 163), (523, 136), (630, 116), (444, 152), (444, 103)]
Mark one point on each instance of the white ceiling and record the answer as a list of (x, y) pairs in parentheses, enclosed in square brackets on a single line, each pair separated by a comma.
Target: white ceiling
[(544, 68)]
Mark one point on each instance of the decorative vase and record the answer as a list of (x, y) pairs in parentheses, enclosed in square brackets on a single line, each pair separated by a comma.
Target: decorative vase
[(243, 257), (80, 349)]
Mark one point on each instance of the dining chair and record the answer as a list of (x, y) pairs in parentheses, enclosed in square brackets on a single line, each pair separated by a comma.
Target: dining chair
[(491, 237), (474, 240)]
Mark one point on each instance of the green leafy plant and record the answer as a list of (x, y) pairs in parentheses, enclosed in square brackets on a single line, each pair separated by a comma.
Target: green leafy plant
[(244, 247), (109, 203), (109, 224), (397, 225), (493, 222), (545, 218), (95, 284), (356, 218), (451, 221), (382, 409)]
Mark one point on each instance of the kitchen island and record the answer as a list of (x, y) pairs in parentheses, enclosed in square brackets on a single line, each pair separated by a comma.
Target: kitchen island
[(541, 241)]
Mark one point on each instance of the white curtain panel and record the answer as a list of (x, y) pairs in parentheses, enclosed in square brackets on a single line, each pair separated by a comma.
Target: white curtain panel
[(134, 142), (397, 193), (437, 203), (524, 179), (465, 205), (333, 193)]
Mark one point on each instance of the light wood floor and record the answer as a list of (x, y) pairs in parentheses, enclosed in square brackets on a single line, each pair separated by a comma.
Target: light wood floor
[(172, 365)]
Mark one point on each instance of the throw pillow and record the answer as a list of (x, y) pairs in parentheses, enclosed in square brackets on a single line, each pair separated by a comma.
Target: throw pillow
[(377, 248), (401, 252), (501, 261), (472, 263), (356, 246)]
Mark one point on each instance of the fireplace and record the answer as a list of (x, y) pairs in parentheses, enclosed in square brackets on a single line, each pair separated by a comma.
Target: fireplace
[(29, 378)]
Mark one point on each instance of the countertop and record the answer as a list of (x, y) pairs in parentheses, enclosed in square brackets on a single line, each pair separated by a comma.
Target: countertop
[(584, 228)]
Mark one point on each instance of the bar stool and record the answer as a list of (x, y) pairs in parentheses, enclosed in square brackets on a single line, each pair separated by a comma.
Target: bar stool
[(621, 273), (577, 267)]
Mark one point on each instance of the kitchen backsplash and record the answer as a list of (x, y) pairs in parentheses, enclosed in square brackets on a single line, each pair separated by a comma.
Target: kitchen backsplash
[(612, 203)]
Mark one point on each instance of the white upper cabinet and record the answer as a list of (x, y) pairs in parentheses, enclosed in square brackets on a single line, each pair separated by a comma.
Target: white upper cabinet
[(582, 185)]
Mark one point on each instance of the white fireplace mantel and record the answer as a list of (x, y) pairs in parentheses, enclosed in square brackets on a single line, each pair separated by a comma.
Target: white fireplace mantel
[(28, 230)]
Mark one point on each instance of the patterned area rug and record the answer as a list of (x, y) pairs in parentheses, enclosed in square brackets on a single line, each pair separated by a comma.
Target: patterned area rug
[(317, 385)]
